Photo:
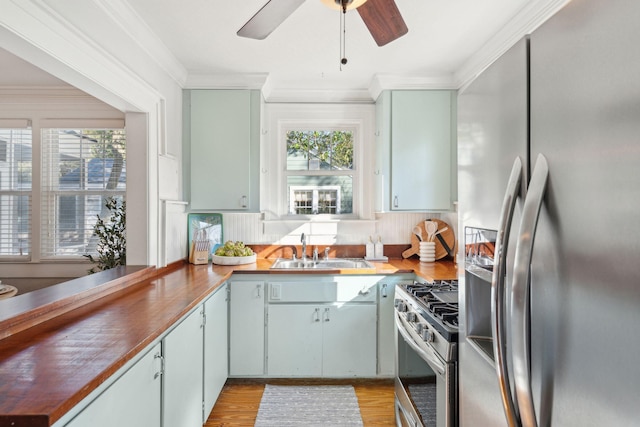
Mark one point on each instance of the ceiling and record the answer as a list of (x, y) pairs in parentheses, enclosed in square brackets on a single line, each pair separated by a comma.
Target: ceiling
[(303, 53)]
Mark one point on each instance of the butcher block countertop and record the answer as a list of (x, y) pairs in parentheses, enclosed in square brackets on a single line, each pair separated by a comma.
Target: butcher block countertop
[(60, 343)]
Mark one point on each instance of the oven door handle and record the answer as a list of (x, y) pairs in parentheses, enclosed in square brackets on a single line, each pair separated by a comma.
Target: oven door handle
[(428, 355), (498, 295)]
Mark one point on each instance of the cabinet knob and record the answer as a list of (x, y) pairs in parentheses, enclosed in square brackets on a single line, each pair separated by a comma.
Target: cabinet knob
[(244, 201), (395, 201)]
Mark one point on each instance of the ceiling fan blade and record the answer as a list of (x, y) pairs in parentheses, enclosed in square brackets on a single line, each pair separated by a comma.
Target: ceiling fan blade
[(383, 20), (268, 18)]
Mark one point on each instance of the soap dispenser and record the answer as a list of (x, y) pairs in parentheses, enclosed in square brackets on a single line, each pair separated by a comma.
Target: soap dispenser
[(369, 249), (379, 249)]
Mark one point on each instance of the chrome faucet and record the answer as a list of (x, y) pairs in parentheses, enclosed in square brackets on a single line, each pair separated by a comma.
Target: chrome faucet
[(315, 253), (304, 247)]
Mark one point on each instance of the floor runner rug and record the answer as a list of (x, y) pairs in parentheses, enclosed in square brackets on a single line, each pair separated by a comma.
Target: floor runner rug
[(308, 406)]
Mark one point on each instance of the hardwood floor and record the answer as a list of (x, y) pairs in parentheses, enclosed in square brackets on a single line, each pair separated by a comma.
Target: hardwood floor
[(240, 399)]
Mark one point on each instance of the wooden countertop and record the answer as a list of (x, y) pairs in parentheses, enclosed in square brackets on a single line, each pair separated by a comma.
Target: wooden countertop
[(56, 348)]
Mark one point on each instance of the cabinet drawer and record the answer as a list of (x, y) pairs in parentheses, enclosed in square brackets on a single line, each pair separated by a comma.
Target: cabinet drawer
[(336, 291)]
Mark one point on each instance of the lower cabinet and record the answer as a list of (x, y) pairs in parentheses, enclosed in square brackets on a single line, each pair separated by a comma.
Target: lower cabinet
[(246, 328), (182, 390), (322, 340), (133, 400), (175, 383), (215, 348)]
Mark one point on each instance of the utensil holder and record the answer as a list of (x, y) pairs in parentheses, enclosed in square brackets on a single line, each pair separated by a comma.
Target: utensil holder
[(427, 251)]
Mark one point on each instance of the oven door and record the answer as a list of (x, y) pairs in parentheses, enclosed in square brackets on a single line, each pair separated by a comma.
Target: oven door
[(425, 385)]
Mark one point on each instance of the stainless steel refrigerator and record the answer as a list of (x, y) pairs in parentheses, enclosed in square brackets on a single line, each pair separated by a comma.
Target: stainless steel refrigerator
[(549, 337)]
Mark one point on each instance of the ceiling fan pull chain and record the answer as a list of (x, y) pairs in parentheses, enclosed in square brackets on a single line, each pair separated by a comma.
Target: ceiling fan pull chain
[(343, 34)]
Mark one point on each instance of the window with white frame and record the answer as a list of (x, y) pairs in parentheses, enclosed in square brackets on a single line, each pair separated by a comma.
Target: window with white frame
[(319, 171), (314, 161), (307, 200), (80, 169), (15, 191)]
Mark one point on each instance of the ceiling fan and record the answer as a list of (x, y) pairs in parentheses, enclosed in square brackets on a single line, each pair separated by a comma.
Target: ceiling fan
[(381, 17)]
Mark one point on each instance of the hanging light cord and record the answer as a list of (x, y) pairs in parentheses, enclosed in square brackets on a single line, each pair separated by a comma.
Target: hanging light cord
[(343, 34)]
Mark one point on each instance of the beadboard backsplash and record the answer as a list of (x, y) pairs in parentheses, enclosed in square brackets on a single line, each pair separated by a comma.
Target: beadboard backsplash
[(392, 228)]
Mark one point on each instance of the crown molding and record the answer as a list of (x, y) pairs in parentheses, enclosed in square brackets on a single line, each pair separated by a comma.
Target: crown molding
[(319, 96), (226, 81), (530, 17), (138, 31), (382, 82)]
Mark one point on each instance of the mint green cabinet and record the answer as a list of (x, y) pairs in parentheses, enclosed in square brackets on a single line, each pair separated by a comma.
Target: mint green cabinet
[(215, 347), (322, 327), (246, 328), (133, 400), (183, 373), (222, 137), (415, 143)]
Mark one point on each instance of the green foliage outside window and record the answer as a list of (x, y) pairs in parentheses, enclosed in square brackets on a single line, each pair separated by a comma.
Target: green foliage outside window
[(334, 149)]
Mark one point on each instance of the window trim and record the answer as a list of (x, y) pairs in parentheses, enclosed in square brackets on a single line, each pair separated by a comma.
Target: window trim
[(281, 118)]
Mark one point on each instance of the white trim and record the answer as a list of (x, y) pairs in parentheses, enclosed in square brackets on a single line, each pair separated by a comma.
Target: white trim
[(530, 17), (137, 29), (281, 117), (226, 81), (59, 47), (15, 123)]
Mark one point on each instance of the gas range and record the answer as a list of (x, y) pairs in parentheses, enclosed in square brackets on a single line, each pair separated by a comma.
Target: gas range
[(437, 303), (426, 316)]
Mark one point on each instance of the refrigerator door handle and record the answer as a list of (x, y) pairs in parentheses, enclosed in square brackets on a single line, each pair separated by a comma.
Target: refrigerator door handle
[(520, 296), (498, 306)]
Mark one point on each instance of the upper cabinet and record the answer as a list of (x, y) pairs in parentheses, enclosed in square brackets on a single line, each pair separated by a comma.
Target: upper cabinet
[(222, 128), (415, 150)]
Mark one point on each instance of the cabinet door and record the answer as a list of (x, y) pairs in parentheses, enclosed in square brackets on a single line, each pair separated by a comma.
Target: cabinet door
[(215, 348), (294, 340), (220, 149), (246, 328), (386, 328), (349, 340), (381, 173), (421, 150), (182, 393), (133, 400)]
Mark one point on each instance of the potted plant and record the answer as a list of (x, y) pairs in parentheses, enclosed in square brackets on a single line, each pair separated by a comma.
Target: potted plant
[(111, 235)]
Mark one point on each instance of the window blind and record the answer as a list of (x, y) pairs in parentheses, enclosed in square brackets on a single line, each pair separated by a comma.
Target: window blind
[(15, 192), (80, 169)]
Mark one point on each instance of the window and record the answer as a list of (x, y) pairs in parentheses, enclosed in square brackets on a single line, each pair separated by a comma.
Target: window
[(307, 200), (80, 168), (314, 162), (320, 171), (15, 192)]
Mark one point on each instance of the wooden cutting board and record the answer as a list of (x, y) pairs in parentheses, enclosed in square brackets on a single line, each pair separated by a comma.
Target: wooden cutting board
[(448, 237)]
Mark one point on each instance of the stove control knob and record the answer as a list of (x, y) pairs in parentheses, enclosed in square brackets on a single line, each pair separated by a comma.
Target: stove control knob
[(401, 306), (419, 328), (411, 317), (427, 335)]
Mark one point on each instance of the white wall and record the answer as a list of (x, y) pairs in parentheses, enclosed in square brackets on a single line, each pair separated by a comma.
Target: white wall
[(102, 49)]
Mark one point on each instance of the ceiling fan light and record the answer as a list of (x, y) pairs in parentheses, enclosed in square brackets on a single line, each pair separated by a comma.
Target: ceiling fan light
[(337, 4)]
